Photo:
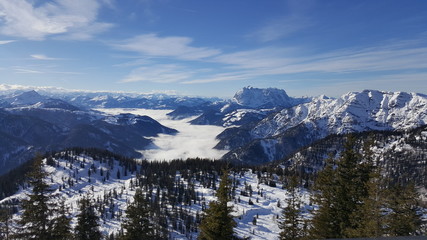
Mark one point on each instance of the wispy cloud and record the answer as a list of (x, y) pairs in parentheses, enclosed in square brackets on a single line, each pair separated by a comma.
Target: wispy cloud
[(296, 18), (261, 62), (175, 47), (2, 42), (43, 57), (41, 70), (27, 71), (159, 73), (277, 61), (281, 28), (76, 19)]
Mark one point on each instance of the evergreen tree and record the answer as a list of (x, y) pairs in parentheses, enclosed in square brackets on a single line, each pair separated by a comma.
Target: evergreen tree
[(5, 220), (292, 223), (36, 220), (218, 223), (403, 218), (324, 224), (61, 224), (368, 219), (137, 223), (87, 222), (340, 193)]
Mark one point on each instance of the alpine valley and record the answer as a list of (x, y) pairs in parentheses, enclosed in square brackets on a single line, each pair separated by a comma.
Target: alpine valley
[(95, 144)]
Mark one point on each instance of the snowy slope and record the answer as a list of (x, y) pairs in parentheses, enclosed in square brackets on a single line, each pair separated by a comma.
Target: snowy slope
[(353, 112), (401, 155), (305, 123), (71, 181)]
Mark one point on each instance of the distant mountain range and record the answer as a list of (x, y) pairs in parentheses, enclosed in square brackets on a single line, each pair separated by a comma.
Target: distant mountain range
[(283, 132), (31, 123), (261, 125)]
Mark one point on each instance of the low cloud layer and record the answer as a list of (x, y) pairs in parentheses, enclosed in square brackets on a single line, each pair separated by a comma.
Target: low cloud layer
[(191, 141)]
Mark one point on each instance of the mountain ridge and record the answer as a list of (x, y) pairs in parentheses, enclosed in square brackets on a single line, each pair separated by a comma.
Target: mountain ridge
[(353, 112)]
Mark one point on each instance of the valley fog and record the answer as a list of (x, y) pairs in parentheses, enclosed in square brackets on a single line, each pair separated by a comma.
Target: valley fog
[(191, 141)]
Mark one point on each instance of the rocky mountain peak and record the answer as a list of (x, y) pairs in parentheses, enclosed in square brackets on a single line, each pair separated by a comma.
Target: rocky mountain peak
[(267, 97)]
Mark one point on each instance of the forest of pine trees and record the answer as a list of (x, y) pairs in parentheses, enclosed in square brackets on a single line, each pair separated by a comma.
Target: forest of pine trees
[(350, 197), (354, 201)]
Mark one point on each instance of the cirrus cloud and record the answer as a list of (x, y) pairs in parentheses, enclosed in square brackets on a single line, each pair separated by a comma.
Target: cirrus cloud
[(76, 19), (43, 57), (176, 47), (2, 42), (160, 73)]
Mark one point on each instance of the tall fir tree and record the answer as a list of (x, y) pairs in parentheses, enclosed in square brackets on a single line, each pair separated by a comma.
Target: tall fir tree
[(368, 219), (218, 223), (137, 223), (324, 224), (292, 223), (340, 192), (62, 223), (36, 220), (403, 218), (87, 222)]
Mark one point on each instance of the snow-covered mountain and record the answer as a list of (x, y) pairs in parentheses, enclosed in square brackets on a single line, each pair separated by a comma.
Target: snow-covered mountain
[(262, 125), (279, 134), (250, 97), (102, 99), (32, 123), (247, 106), (33, 99)]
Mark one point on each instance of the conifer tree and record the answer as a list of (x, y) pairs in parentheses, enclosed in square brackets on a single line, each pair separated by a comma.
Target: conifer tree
[(61, 223), (340, 193), (137, 223), (368, 219), (87, 222), (292, 223), (218, 223), (5, 220), (403, 218), (36, 218), (324, 224)]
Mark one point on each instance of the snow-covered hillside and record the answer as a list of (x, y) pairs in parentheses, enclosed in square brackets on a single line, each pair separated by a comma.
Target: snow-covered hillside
[(305, 123), (353, 112), (401, 155), (113, 183)]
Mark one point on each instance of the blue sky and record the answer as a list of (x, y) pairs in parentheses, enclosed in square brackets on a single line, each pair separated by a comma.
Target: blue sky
[(214, 48)]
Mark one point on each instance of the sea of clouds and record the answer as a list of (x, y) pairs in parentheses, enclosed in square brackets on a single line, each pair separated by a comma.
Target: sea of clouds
[(191, 141)]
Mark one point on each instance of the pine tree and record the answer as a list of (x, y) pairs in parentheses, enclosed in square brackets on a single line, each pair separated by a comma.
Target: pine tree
[(218, 223), (324, 224), (137, 223), (368, 219), (87, 222), (5, 220), (292, 223), (340, 193), (403, 218), (36, 220), (61, 223)]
